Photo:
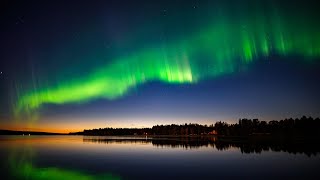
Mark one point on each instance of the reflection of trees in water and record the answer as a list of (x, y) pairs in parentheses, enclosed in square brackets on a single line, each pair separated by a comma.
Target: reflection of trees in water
[(117, 141), (245, 146), (308, 149), (186, 144), (173, 142)]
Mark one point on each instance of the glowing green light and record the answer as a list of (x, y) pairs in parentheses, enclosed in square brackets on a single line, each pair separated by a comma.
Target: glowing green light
[(21, 167), (225, 44), (28, 171)]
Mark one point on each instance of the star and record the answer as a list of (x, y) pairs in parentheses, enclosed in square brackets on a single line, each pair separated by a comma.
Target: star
[(165, 12)]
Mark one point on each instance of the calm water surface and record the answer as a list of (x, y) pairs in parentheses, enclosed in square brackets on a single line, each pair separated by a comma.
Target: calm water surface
[(79, 157)]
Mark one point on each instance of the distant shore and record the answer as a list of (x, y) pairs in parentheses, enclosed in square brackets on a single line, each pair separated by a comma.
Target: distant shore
[(26, 133)]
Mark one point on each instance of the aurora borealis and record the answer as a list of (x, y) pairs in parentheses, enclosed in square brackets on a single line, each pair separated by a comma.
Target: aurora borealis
[(222, 38), (159, 89), (226, 44)]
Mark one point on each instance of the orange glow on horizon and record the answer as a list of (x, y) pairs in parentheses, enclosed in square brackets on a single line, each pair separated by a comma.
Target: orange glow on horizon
[(79, 124)]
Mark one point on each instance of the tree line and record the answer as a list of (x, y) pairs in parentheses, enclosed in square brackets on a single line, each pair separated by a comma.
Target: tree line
[(287, 127), (173, 129), (304, 126)]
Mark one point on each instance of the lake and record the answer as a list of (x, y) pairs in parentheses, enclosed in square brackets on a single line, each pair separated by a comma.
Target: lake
[(131, 157)]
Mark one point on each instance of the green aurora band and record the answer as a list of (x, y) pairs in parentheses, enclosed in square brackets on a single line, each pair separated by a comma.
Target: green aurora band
[(229, 42)]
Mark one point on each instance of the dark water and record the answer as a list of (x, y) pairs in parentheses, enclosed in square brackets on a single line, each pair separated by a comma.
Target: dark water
[(78, 157)]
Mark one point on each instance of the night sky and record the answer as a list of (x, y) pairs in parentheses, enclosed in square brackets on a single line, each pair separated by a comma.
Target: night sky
[(74, 65)]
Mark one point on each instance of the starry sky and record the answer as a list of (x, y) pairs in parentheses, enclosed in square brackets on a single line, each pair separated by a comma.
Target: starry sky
[(69, 66)]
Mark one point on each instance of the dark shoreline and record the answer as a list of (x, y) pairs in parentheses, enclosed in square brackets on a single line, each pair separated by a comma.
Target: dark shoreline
[(26, 133)]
